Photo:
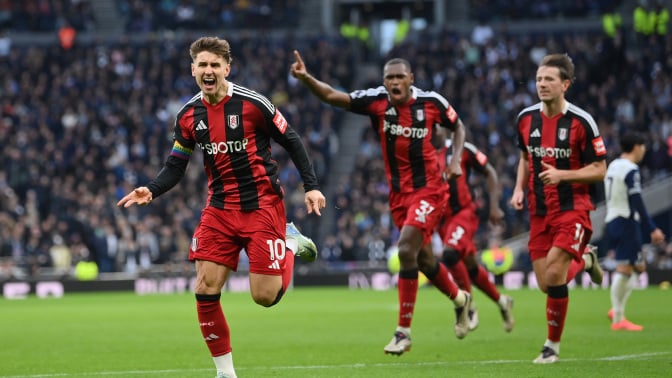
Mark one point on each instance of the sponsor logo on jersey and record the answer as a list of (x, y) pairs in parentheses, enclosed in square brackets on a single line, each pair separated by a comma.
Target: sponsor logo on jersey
[(201, 126), (553, 152), (408, 132), (280, 121), (481, 158), (451, 114), (598, 146), (391, 112), (215, 148), (535, 134)]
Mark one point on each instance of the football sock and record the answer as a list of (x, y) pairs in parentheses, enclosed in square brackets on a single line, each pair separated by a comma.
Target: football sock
[(482, 281), (460, 275), (460, 299), (577, 266), (287, 274), (224, 364), (587, 261), (502, 302), (442, 281), (557, 302), (405, 330), (620, 291), (553, 345), (214, 328), (408, 290), (292, 244), (287, 270), (632, 282)]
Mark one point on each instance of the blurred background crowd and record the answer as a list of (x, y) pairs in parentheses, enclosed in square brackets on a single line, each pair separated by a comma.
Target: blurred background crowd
[(83, 121)]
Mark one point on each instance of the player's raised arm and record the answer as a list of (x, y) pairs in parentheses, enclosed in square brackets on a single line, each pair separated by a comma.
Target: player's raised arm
[(322, 90)]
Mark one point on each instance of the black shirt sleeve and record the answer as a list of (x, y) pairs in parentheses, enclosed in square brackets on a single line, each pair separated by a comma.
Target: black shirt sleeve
[(291, 141), (172, 172)]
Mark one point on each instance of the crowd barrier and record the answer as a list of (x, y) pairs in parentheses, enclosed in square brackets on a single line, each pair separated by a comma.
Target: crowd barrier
[(238, 282)]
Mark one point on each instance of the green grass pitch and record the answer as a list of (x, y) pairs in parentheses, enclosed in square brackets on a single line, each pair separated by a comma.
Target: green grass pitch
[(326, 332)]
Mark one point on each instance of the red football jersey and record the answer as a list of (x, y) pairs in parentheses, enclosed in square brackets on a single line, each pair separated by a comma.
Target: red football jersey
[(405, 133), (570, 140), (472, 160), (235, 137)]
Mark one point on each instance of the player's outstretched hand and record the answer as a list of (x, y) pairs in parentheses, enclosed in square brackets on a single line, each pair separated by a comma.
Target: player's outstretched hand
[(298, 69), (139, 196), (315, 201)]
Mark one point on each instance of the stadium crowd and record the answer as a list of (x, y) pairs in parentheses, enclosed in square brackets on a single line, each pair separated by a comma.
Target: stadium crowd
[(83, 126), (46, 15), (146, 15), (546, 9)]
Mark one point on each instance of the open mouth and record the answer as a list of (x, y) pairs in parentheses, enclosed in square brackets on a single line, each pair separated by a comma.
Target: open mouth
[(209, 82), (396, 91)]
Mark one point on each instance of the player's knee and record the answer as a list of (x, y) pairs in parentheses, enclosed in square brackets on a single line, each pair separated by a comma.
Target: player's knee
[(450, 257), (427, 264), (278, 297), (266, 298)]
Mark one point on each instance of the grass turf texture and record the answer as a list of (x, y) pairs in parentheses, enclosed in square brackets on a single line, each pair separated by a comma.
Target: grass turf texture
[(326, 332)]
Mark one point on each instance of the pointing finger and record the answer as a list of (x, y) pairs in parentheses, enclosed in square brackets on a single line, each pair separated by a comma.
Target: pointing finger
[(297, 56)]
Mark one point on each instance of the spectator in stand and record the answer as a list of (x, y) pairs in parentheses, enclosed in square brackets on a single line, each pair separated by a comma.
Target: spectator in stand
[(66, 36)]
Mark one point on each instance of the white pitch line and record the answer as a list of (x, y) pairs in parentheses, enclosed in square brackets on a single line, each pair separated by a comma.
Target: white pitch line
[(632, 356), (624, 357)]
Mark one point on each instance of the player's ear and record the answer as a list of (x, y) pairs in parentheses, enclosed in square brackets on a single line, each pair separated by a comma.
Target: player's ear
[(566, 84), (193, 68)]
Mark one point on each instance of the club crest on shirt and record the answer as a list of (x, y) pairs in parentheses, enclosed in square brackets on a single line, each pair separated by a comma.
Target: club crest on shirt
[(233, 121), (420, 115), (562, 134)]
